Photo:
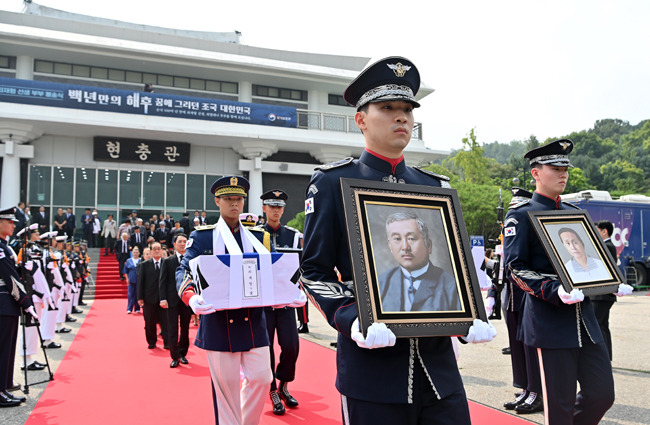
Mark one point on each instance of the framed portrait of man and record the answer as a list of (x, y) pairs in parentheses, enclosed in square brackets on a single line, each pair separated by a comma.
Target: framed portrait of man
[(577, 252), (411, 258)]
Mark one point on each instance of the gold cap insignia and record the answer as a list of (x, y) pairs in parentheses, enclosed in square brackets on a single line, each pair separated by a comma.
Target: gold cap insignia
[(277, 194), (565, 145), (233, 181), (398, 68)]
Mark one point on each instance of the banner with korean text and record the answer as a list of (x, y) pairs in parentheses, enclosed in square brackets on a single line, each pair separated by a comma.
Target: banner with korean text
[(59, 95)]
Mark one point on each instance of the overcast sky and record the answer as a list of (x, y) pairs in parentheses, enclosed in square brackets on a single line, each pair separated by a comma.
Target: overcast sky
[(509, 69)]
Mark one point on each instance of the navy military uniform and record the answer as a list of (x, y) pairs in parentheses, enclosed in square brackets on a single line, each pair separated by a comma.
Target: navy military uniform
[(567, 337), (525, 366), (13, 298), (240, 331), (282, 320), (417, 379)]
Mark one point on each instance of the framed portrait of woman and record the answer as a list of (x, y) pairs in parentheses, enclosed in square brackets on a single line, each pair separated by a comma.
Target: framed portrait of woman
[(577, 252)]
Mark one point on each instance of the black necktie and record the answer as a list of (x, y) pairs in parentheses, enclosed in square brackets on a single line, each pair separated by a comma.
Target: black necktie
[(181, 259), (124, 246), (157, 266), (137, 238)]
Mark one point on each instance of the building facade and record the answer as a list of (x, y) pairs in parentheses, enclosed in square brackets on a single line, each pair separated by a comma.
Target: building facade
[(79, 130)]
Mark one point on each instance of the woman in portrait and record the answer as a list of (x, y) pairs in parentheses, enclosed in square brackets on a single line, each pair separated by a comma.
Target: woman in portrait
[(581, 267)]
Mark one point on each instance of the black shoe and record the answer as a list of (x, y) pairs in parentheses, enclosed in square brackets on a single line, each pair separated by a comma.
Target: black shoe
[(520, 399), (7, 401), (69, 318), (151, 346), (303, 329), (75, 310), (52, 345), (505, 351), (288, 399), (63, 330), (34, 366), (533, 403), (166, 347), (20, 399), (82, 303), (183, 360), (174, 363), (278, 408), (14, 387)]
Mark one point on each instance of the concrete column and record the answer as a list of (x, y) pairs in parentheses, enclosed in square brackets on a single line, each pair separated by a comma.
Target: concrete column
[(10, 194), (245, 92), (313, 100), (25, 67), (257, 187), (255, 151), (12, 136)]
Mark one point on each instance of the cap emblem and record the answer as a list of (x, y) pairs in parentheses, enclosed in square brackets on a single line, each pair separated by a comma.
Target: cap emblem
[(233, 181), (398, 68), (565, 145), (277, 194)]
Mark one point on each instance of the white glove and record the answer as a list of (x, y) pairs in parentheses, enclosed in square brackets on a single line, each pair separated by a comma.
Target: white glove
[(197, 303), (623, 290), (575, 296), (300, 301), (480, 332), (378, 335), (29, 265), (31, 311), (489, 305)]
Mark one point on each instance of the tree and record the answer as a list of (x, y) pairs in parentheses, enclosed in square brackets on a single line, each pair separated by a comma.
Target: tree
[(472, 161), (479, 204), (623, 176), (298, 222), (577, 181)]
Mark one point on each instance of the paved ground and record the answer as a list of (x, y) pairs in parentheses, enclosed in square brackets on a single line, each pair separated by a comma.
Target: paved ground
[(486, 372)]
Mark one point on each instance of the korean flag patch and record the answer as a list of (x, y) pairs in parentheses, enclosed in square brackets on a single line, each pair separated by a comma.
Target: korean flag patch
[(309, 205), (509, 231)]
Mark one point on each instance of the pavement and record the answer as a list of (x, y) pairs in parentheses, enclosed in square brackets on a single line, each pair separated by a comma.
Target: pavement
[(486, 372)]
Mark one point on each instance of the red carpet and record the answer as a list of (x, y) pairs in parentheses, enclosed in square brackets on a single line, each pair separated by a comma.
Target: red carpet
[(107, 279), (109, 376)]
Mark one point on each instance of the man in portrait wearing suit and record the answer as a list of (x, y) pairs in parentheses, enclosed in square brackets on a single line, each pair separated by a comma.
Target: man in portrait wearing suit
[(123, 252), (149, 296), (170, 301), (416, 284)]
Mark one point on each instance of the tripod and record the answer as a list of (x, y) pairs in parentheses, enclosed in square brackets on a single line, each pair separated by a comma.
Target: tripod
[(28, 321)]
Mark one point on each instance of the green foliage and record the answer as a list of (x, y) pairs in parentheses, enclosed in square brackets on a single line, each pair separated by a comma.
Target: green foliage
[(577, 181), (623, 176), (298, 222), (479, 204), (440, 169), (471, 160)]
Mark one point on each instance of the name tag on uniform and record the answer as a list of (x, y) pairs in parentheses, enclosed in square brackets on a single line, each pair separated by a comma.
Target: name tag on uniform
[(251, 286)]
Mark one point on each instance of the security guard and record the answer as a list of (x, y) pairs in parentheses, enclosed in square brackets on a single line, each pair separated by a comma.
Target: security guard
[(381, 380), (233, 339), (560, 325), (13, 298), (281, 320)]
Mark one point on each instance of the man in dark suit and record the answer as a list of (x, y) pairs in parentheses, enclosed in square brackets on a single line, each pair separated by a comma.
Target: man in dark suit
[(204, 218), (162, 233), (70, 224), (138, 238), (416, 284), (603, 303), (42, 219), (176, 309), (87, 226), (123, 252), (149, 296), (185, 223), (59, 222), (21, 217)]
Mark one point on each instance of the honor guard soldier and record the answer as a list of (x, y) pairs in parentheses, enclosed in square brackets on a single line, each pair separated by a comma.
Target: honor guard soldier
[(233, 339), (381, 380), (561, 326), (281, 320), (13, 298), (525, 366)]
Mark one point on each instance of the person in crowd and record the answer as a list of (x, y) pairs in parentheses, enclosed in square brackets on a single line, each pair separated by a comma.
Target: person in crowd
[(149, 297), (176, 230), (125, 227), (185, 223), (381, 379), (21, 217), (109, 232), (138, 238), (603, 303), (123, 251), (162, 233), (96, 229), (41, 217), (59, 222), (178, 314), (130, 271), (71, 223)]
